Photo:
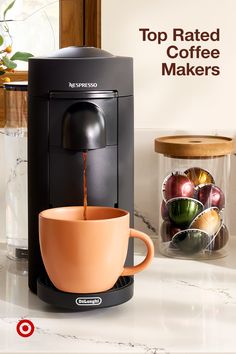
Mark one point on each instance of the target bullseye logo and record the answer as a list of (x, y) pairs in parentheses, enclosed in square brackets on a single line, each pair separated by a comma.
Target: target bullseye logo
[(25, 328)]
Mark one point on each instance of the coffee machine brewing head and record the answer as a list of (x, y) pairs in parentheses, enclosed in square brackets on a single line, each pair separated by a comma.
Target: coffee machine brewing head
[(84, 127)]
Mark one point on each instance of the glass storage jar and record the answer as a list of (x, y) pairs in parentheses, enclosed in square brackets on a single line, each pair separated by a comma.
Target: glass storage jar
[(15, 130), (194, 179)]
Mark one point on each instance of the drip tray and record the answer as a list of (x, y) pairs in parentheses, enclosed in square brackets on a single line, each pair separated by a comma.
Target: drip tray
[(121, 292)]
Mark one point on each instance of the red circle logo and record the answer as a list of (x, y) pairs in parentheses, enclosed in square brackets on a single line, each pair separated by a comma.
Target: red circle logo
[(25, 328)]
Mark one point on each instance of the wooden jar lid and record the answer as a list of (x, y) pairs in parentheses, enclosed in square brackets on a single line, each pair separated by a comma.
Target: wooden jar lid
[(194, 146), (16, 85)]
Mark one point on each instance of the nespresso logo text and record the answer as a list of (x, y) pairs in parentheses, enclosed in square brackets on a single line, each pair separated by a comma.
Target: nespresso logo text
[(82, 84), (88, 301), (186, 47)]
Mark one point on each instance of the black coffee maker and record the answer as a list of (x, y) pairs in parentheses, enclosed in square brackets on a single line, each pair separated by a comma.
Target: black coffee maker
[(80, 99)]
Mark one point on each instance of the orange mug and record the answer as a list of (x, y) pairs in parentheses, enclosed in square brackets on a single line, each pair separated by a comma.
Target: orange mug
[(87, 256)]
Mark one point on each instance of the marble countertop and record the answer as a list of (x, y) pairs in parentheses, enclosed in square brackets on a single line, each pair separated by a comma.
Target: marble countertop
[(179, 307)]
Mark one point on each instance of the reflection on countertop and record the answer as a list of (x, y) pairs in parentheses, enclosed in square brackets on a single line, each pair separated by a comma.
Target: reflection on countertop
[(179, 307)]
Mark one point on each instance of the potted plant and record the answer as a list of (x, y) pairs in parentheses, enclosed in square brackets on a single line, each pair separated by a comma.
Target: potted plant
[(8, 60)]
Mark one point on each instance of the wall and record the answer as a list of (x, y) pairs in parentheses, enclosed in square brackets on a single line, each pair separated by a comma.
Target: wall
[(172, 105), (174, 102)]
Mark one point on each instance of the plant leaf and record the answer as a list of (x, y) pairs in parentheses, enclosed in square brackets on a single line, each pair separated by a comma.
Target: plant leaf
[(8, 8), (23, 56), (9, 63), (1, 40)]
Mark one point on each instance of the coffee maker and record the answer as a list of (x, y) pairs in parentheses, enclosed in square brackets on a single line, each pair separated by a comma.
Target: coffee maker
[(80, 99)]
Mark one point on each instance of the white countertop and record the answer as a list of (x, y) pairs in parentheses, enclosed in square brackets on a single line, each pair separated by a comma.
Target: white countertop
[(179, 307)]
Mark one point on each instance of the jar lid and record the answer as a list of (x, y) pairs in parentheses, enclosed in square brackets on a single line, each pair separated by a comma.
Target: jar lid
[(16, 85), (194, 146)]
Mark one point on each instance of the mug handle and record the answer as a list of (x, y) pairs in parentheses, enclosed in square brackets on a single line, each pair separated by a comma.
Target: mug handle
[(150, 253)]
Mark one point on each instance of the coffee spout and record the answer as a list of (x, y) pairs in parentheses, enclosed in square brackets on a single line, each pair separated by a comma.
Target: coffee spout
[(83, 127)]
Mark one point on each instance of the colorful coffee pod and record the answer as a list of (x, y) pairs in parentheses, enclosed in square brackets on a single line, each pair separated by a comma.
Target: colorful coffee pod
[(183, 210), (164, 211), (220, 239), (210, 196), (168, 230), (177, 185), (208, 220), (191, 241), (199, 176)]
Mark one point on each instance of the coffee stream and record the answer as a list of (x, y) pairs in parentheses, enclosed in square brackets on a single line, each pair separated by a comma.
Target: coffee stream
[(84, 155)]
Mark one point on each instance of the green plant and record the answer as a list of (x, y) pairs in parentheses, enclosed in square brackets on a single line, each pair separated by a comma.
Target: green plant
[(7, 58)]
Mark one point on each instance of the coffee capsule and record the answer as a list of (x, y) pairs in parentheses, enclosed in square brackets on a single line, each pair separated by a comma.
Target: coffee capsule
[(208, 220), (177, 185), (199, 176), (164, 211), (168, 230), (191, 241), (183, 210), (210, 196), (220, 239)]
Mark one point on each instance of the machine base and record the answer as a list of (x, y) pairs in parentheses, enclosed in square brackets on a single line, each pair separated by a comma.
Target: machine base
[(121, 292)]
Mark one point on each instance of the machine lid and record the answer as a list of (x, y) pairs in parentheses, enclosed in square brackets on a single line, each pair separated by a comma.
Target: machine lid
[(80, 52)]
